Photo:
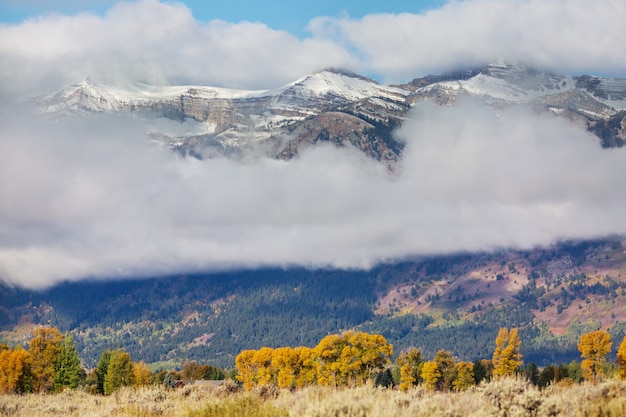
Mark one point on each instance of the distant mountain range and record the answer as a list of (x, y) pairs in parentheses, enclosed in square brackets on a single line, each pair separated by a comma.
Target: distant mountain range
[(340, 107)]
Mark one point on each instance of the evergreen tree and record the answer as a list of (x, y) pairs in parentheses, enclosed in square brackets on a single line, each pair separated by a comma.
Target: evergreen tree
[(481, 371), (101, 370), (67, 370), (531, 373), (384, 379), (464, 376), (574, 371), (447, 367)]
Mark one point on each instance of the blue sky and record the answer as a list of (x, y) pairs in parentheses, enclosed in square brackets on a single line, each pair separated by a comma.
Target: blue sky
[(278, 14)]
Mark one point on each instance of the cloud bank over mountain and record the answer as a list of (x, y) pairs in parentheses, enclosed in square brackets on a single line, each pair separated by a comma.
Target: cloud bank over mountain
[(92, 198), (162, 43)]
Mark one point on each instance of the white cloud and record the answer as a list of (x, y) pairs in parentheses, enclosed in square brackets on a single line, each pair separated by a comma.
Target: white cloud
[(161, 43), (93, 198), (157, 43), (566, 35)]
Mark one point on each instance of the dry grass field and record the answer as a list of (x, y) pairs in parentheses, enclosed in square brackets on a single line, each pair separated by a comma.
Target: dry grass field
[(506, 398)]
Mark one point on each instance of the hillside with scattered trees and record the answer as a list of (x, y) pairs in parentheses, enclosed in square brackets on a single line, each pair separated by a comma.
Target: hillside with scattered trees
[(455, 303)]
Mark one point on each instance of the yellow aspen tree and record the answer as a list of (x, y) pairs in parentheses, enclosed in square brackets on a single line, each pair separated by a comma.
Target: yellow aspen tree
[(349, 366), (6, 371), (285, 361), (262, 361), (507, 357), (410, 363), (305, 372), (621, 360), (246, 372), (142, 375), (14, 371), (464, 376), (370, 354), (594, 346), (328, 354), (430, 374), (43, 349)]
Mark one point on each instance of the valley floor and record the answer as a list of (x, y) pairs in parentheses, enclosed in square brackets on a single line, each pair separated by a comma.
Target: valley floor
[(512, 397)]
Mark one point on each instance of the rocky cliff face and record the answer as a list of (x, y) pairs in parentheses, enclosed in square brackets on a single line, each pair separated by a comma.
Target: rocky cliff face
[(342, 108)]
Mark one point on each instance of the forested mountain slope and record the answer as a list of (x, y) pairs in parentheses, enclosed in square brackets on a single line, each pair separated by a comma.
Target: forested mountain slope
[(453, 302)]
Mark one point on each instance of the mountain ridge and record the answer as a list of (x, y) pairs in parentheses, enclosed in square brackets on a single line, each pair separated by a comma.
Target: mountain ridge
[(228, 121)]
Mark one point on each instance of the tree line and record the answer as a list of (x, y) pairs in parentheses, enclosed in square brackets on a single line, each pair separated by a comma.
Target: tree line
[(51, 364), (350, 359)]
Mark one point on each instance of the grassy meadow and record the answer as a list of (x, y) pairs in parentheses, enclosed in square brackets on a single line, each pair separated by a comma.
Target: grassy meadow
[(508, 397)]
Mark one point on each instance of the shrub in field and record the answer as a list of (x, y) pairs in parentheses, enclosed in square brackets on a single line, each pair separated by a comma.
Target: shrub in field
[(244, 406), (510, 397), (267, 392), (228, 388), (504, 397)]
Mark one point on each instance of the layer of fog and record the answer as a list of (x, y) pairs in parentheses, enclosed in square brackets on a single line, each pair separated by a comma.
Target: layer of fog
[(91, 197), (162, 43)]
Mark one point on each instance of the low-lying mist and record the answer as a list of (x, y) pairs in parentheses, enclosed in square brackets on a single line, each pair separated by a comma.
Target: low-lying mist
[(92, 197)]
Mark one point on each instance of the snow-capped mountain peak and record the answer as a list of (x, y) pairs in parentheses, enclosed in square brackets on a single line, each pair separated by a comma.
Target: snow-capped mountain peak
[(334, 105), (346, 84)]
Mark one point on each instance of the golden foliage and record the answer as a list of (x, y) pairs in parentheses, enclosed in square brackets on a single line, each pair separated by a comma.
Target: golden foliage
[(285, 360), (262, 362), (337, 360), (44, 348), (507, 357), (14, 370), (328, 356), (621, 360), (245, 369), (142, 375), (594, 346), (306, 367), (431, 374)]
